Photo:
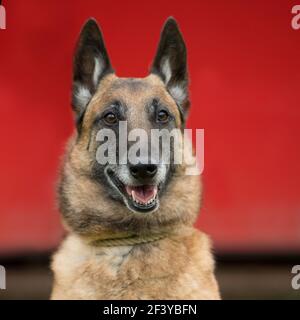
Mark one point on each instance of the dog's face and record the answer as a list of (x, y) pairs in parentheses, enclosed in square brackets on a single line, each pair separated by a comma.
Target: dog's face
[(139, 104), (103, 103)]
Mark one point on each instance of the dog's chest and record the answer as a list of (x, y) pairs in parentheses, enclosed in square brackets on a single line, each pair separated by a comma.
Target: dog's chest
[(111, 261), (127, 273), (123, 273), (165, 270)]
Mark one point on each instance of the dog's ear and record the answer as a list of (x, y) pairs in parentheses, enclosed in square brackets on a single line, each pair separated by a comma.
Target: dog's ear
[(170, 63), (91, 63)]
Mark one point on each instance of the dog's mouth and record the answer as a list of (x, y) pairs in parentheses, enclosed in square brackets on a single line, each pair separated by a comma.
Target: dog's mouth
[(142, 198)]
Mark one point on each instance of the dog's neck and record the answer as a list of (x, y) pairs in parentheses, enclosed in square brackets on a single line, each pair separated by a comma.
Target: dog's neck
[(115, 239), (128, 240)]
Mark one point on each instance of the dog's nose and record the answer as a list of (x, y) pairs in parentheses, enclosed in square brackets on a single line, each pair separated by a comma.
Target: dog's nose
[(143, 171)]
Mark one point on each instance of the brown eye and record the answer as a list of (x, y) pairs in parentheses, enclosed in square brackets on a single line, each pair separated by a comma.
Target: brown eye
[(110, 118), (162, 116)]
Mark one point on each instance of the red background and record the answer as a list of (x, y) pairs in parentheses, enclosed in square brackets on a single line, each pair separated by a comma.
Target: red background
[(244, 66)]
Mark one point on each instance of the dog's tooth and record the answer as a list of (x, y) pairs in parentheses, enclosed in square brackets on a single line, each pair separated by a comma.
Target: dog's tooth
[(151, 200), (135, 200)]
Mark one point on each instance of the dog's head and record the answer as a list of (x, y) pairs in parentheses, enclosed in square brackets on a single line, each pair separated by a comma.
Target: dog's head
[(115, 119)]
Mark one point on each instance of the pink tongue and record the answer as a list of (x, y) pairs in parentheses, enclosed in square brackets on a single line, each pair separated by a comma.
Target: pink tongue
[(142, 193)]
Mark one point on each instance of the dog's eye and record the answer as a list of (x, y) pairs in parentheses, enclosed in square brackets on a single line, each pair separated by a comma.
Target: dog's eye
[(163, 116), (110, 118)]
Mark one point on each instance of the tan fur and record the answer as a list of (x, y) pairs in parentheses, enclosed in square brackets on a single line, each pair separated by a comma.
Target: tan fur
[(180, 266)]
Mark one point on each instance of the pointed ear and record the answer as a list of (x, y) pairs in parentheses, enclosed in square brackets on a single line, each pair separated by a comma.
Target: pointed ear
[(170, 63), (91, 63)]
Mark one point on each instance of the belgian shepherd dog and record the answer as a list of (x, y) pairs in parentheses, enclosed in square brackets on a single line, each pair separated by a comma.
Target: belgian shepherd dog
[(130, 226)]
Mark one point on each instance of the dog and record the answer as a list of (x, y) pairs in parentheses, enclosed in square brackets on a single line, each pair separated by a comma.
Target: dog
[(130, 226)]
